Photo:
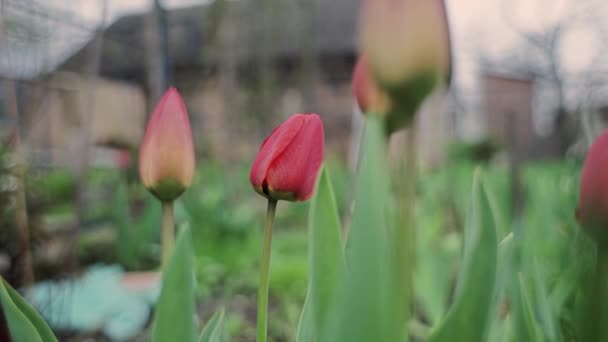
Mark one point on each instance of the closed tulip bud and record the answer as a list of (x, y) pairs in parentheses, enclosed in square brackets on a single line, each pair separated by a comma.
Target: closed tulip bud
[(166, 157), (370, 98), (592, 210), (407, 46), (287, 164)]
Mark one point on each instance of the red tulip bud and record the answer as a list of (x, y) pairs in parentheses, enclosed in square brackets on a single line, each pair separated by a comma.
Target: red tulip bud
[(407, 46), (166, 156), (370, 98), (592, 210), (287, 164)]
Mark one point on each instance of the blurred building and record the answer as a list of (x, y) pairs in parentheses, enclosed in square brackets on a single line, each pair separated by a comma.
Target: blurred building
[(508, 109), (242, 68), (61, 111), (56, 113)]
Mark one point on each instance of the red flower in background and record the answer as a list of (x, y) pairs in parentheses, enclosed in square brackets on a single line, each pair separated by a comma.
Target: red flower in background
[(287, 164), (592, 210), (166, 156), (370, 98)]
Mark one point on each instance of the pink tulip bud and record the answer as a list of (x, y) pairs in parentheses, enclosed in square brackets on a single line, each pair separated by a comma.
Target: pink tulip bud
[(407, 46), (592, 210), (166, 156), (287, 164), (370, 98)]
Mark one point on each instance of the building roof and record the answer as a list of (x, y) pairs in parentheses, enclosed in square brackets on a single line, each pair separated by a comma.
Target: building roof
[(288, 29)]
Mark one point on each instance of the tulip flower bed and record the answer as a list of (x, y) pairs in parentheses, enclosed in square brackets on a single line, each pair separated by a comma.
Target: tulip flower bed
[(434, 257), (227, 246)]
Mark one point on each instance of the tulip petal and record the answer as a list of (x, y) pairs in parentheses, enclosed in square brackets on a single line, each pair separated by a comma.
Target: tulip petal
[(593, 198), (167, 150), (273, 146), (369, 96), (295, 169), (402, 38)]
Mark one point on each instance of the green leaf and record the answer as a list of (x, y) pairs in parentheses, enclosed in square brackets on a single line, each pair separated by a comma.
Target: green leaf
[(213, 330), (565, 287), (530, 328), (502, 330), (467, 319), (305, 332), (326, 259), (546, 314), (365, 308), (25, 324), (175, 308), (325, 251), (501, 327)]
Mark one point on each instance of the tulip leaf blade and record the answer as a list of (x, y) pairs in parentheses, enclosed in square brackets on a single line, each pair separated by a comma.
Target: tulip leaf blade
[(304, 332), (526, 312), (325, 250), (213, 330), (548, 319), (501, 329), (175, 308), (468, 317), (364, 309), (25, 324)]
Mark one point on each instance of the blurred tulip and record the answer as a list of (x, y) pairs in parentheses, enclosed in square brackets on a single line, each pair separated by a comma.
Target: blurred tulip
[(592, 210), (166, 157), (287, 164), (123, 159), (370, 98), (407, 46), (592, 214)]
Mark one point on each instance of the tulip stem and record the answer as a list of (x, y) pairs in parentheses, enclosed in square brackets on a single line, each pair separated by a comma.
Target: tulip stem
[(168, 231), (264, 273), (404, 235)]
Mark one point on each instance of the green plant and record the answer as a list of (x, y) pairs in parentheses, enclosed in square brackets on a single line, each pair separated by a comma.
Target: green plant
[(133, 244), (25, 324), (542, 258)]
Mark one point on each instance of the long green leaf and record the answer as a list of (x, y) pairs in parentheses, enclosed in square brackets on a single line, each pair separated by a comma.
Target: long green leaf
[(365, 309), (213, 330), (25, 324), (501, 327), (175, 308), (305, 332), (531, 331), (44, 331), (546, 314), (325, 250), (467, 319)]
